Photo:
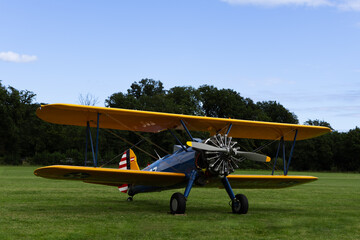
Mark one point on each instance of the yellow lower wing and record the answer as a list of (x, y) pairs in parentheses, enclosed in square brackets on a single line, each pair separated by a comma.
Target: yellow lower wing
[(266, 181), (116, 177), (110, 176)]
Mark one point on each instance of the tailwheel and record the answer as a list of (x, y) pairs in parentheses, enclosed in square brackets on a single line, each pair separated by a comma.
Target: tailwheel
[(177, 203), (240, 204)]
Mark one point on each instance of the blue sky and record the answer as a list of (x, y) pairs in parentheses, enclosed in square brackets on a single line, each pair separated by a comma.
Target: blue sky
[(304, 54)]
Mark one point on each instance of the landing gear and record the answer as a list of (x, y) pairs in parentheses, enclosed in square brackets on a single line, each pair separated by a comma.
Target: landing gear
[(177, 203), (240, 204), (178, 200), (129, 199)]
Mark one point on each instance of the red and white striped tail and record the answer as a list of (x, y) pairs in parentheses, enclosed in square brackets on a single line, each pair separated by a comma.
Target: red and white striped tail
[(123, 166), (128, 162)]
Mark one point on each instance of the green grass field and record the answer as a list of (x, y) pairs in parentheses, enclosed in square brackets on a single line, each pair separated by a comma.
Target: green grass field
[(37, 208)]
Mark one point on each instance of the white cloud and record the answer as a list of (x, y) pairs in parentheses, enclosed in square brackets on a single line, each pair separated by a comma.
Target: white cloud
[(15, 57), (345, 5), (349, 5)]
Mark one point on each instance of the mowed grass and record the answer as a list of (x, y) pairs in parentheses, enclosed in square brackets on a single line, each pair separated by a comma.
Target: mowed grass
[(36, 208)]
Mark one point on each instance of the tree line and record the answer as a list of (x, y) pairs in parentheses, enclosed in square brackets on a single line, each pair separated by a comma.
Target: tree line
[(26, 139)]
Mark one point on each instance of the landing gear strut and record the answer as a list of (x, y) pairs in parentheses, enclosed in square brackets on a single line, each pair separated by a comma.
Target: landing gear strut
[(178, 200), (239, 203)]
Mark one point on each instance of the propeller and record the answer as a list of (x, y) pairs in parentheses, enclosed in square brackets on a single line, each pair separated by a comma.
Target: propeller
[(221, 156), (248, 155)]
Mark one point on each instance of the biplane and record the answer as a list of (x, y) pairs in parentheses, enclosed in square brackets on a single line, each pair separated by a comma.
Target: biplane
[(205, 163)]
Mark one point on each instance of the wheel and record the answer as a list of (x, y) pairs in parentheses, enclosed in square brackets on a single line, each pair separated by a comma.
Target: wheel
[(177, 203), (240, 204), (130, 199)]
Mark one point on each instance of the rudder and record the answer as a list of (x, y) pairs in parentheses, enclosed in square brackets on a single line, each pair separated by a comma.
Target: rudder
[(128, 162)]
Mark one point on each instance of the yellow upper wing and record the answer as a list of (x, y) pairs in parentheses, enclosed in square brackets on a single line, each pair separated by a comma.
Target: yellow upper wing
[(145, 121)]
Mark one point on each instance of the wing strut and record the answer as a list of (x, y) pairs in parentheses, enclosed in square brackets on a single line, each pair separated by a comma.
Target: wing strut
[(88, 136), (86, 142), (97, 139), (187, 130), (291, 152), (282, 143), (182, 145), (227, 133)]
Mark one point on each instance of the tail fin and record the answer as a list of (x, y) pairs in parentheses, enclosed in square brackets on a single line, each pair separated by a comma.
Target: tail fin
[(128, 161)]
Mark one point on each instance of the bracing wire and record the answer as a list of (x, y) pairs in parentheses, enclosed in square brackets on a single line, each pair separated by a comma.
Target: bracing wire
[(121, 153), (267, 144), (123, 139), (141, 136)]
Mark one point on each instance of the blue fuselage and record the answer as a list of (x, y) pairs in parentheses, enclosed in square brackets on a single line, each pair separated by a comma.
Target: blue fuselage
[(180, 161)]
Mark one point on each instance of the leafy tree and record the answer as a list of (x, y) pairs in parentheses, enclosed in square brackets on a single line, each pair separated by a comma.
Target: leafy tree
[(277, 113), (146, 87), (348, 151), (122, 100), (224, 103), (184, 100), (147, 95), (16, 113), (317, 122), (314, 154)]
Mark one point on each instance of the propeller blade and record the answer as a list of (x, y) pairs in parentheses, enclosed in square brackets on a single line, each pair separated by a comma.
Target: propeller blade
[(205, 147), (254, 156), (248, 155)]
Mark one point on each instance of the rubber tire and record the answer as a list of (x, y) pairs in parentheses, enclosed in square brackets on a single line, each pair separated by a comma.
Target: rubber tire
[(240, 205), (177, 203)]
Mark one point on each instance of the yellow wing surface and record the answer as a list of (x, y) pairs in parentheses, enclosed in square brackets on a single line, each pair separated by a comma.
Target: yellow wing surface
[(145, 121), (266, 181), (116, 177), (110, 176)]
